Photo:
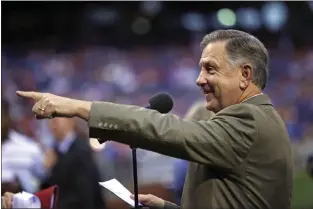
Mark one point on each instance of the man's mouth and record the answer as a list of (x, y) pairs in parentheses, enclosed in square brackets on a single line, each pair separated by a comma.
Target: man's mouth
[(208, 90)]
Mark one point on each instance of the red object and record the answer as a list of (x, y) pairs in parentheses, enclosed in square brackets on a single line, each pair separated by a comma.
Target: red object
[(48, 197)]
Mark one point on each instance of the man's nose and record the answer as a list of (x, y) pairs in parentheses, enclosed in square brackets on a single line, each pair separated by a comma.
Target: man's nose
[(200, 80)]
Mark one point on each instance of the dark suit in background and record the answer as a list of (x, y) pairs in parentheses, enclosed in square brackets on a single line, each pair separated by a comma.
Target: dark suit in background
[(77, 176)]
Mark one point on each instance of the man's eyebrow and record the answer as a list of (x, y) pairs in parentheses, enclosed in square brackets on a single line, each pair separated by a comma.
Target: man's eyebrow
[(208, 62)]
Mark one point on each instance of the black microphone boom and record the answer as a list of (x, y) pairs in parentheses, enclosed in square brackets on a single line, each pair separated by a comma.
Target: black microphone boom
[(163, 103)]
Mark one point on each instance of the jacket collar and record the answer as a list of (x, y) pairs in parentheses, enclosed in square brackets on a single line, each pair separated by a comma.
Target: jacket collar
[(261, 99)]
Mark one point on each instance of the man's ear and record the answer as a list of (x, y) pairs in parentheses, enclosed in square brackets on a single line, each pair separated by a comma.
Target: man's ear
[(246, 75)]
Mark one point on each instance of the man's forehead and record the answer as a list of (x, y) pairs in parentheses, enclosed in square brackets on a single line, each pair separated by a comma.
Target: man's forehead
[(214, 49), (213, 52)]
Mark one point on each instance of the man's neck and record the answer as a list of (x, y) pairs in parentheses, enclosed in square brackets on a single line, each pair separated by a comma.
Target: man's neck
[(250, 92)]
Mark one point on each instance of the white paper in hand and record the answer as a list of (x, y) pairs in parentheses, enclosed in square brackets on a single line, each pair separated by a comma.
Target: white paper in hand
[(25, 200), (119, 190)]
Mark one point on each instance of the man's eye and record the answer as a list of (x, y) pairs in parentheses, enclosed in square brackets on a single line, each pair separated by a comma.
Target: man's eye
[(210, 70)]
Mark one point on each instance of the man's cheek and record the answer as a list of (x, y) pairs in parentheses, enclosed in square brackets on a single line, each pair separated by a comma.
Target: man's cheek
[(217, 91)]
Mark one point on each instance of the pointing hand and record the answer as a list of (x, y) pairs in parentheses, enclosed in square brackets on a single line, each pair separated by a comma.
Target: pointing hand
[(50, 105)]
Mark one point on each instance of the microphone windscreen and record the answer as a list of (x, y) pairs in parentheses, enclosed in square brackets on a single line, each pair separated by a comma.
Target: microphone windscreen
[(162, 102)]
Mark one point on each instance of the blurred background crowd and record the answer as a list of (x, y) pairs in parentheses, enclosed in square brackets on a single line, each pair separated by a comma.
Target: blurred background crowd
[(126, 52)]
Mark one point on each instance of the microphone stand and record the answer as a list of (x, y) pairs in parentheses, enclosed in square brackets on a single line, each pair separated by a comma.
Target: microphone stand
[(135, 176)]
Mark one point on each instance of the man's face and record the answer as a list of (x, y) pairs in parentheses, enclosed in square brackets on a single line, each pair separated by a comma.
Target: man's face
[(220, 82)]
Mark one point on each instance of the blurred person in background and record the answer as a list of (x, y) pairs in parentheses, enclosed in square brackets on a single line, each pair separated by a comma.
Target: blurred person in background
[(196, 112), (304, 148), (70, 165), (18, 156)]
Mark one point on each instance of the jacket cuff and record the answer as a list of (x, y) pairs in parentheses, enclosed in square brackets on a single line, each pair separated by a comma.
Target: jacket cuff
[(169, 205)]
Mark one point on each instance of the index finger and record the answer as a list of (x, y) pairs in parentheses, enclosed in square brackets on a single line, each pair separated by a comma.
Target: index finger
[(30, 94)]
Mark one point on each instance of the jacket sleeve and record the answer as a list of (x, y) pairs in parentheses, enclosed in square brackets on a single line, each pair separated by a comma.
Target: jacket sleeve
[(221, 142), (169, 205)]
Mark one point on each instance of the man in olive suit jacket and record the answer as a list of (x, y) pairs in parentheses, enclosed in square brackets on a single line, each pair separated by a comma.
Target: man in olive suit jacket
[(196, 112), (241, 157)]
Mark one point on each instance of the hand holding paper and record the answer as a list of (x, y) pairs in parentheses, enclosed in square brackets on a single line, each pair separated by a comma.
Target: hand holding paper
[(150, 201), (119, 190)]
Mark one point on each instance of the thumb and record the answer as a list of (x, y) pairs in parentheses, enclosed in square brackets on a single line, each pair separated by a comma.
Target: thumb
[(141, 197), (30, 94)]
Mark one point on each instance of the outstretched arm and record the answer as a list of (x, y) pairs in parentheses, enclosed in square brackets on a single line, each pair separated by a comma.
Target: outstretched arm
[(221, 142)]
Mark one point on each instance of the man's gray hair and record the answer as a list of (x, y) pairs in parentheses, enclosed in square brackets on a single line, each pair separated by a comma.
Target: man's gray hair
[(242, 47)]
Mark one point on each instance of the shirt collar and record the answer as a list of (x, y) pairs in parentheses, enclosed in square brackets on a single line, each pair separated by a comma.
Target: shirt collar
[(251, 97)]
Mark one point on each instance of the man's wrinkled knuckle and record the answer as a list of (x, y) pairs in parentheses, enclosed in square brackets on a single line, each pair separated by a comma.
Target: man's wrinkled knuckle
[(50, 103)]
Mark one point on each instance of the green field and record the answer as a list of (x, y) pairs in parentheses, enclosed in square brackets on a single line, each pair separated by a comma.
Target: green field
[(302, 191)]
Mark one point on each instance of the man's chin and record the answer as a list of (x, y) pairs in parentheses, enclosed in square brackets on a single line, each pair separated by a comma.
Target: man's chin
[(212, 106)]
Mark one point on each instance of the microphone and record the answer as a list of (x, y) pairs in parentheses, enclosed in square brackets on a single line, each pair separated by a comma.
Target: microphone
[(163, 103)]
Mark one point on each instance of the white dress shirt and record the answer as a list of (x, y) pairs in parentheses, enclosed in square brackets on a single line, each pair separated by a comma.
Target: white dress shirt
[(19, 153)]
